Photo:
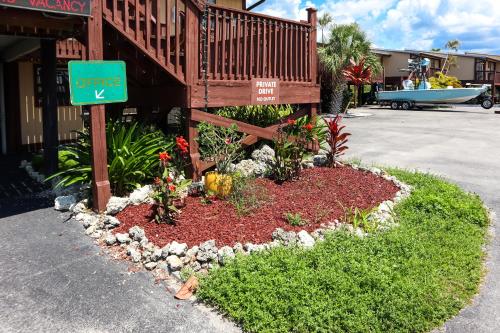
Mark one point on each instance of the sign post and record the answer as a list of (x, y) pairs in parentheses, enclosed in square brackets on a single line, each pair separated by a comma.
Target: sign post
[(97, 83)]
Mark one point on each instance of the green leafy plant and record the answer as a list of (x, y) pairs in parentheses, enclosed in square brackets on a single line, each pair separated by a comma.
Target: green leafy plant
[(290, 145), (258, 115), (361, 218), (442, 81), (167, 188), (221, 145), (132, 157), (247, 195), (295, 220), (336, 140)]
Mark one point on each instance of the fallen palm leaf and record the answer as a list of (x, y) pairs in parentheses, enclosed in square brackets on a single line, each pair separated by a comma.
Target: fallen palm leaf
[(188, 288)]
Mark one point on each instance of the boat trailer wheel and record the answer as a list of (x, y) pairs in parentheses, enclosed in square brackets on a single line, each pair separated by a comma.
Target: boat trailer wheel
[(394, 105), (406, 105), (487, 103)]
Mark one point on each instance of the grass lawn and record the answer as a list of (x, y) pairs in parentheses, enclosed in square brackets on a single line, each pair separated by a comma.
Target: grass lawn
[(410, 279)]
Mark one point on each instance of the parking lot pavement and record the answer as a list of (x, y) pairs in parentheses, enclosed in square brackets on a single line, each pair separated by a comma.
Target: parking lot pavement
[(463, 145)]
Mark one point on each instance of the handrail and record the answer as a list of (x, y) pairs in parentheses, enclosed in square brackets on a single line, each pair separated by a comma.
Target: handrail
[(244, 45)]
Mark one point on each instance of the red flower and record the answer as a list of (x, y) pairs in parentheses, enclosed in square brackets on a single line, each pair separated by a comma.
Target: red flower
[(182, 144), (309, 127), (164, 156), (157, 181), (169, 179), (228, 141), (171, 188), (291, 122)]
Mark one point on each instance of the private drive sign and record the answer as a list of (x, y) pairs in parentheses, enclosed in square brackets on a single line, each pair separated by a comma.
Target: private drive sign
[(72, 7), (97, 82), (265, 91)]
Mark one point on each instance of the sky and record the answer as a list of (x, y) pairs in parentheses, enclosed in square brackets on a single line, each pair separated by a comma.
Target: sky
[(408, 24)]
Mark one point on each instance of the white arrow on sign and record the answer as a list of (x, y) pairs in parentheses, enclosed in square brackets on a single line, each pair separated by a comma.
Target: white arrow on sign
[(99, 95)]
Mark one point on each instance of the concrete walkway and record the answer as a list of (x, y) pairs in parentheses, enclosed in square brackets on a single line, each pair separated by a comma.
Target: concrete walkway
[(461, 146), (53, 278)]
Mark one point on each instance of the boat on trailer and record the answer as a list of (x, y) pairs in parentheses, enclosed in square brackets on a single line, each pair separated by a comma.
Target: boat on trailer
[(411, 97)]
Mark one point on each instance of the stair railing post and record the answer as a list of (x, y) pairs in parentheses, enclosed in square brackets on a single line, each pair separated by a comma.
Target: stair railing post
[(101, 190)]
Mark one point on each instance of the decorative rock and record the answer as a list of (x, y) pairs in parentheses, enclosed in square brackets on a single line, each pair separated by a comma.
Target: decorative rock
[(178, 249), (111, 221), (123, 238), (97, 234), (376, 171), (249, 247), (140, 195), (264, 155), (274, 244), (250, 168), (137, 233), (195, 266), (185, 260), (207, 251), (320, 160), (90, 230), (79, 207), (116, 205), (144, 242), (287, 237), (192, 252), (174, 263), (64, 203), (110, 239), (307, 165), (150, 265), (305, 239), (88, 220), (165, 251), (134, 254), (238, 248), (157, 254), (225, 253)]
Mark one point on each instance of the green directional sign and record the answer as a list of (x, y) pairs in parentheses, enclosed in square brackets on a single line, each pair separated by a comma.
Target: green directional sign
[(97, 82)]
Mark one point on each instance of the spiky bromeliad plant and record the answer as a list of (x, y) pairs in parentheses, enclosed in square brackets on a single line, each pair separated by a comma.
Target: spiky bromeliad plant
[(336, 140), (132, 157), (358, 74)]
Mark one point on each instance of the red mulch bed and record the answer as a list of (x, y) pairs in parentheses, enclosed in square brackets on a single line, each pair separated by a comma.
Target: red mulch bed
[(319, 197)]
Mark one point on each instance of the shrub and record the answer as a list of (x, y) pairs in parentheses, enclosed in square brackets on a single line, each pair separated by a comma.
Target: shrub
[(221, 145), (295, 219), (336, 140), (169, 185), (258, 115), (247, 195), (132, 157), (443, 81), (290, 145)]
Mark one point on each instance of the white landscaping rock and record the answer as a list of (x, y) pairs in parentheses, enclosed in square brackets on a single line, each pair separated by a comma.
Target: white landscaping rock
[(111, 221), (123, 238), (320, 160), (116, 205), (140, 195), (157, 254), (110, 239), (174, 263), (249, 168), (134, 254), (150, 265), (137, 234), (178, 249), (64, 203), (225, 254), (305, 239), (265, 155)]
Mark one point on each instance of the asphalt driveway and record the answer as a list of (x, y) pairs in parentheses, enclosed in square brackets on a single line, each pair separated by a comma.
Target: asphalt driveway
[(461, 144)]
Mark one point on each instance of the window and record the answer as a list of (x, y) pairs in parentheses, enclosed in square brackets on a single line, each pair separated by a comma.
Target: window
[(62, 86)]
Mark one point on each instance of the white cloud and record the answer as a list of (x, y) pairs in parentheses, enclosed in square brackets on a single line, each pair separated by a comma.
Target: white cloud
[(415, 24)]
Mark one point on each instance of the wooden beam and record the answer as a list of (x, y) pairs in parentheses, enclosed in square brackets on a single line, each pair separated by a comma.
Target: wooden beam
[(101, 189), (49, 105)]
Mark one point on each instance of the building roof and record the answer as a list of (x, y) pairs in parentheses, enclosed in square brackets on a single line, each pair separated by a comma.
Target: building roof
[(437, 54)]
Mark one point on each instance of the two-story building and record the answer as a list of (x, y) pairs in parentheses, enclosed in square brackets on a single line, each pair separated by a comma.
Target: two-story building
[(469, 68)]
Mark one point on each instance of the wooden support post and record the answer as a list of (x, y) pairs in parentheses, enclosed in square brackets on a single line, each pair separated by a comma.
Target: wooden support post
[(49, 105), (312, 18), (101, 190), (194, 153)]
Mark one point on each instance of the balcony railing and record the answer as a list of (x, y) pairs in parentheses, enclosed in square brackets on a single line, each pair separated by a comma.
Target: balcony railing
[(243, 45)]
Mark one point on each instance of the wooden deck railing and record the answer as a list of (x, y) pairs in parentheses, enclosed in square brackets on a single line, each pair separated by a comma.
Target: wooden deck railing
[(70, 49), (243, 45), (240, 45), (157, 27)]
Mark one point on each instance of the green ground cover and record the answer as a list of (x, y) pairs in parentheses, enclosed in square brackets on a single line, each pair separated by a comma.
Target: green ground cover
[(410, 279)]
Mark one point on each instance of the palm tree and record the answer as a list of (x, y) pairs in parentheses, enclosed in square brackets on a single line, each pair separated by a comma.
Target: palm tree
[(451, 60), (323, 23), (347, 43)]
